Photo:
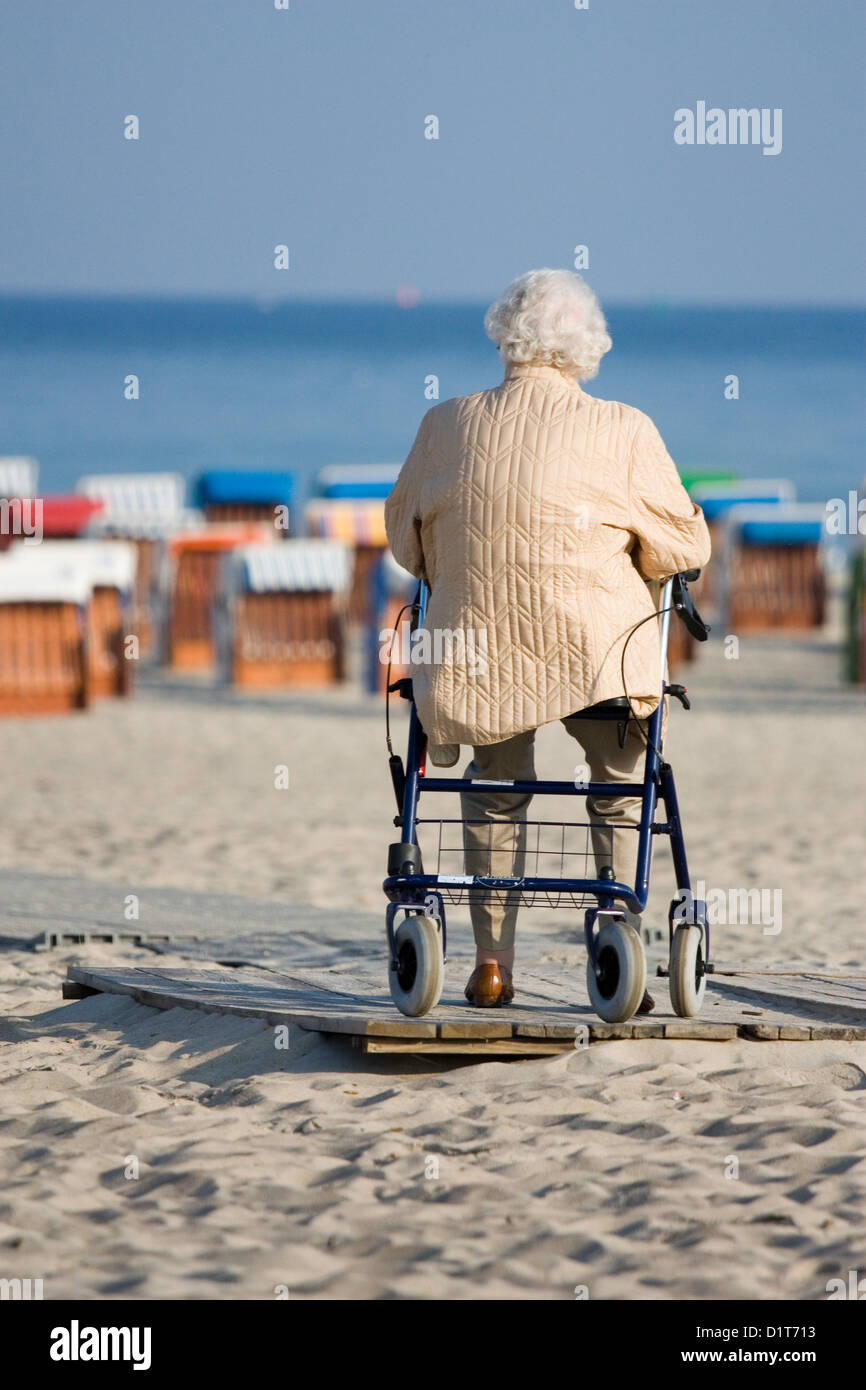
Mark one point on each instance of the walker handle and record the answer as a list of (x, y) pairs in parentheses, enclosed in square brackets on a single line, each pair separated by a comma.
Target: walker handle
[(685, 608)]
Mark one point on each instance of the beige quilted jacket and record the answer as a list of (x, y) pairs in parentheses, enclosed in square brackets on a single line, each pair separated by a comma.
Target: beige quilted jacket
[(536, 513)]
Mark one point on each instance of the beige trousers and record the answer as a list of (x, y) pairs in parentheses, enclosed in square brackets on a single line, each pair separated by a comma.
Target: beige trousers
[(496, 845)]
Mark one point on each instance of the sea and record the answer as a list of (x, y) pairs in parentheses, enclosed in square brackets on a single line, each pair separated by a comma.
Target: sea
[(297, 385)]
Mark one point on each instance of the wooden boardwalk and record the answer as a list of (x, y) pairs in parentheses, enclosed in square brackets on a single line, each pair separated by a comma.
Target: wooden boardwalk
[(552, 1013)]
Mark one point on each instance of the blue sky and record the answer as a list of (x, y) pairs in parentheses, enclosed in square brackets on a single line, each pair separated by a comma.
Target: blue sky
[(306, 127)]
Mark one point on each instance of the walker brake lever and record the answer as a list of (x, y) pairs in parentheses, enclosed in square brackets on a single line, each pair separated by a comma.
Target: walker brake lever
[(679, 693), (684, 606)]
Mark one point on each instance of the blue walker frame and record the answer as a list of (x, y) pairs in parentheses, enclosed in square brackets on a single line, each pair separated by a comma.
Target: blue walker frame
[(412, 892)]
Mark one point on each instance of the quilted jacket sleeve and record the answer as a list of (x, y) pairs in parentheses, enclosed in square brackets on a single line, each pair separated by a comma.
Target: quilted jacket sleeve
[(671, 531), (402, 508)]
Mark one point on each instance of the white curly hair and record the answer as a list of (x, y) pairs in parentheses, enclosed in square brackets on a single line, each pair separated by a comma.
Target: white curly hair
[(550, 317)]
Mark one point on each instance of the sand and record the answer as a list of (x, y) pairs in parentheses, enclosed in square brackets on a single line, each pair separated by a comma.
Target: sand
[(651, 1170)]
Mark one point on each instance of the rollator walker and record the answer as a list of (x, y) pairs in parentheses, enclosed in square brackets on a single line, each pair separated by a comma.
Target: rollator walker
[(616, 962)]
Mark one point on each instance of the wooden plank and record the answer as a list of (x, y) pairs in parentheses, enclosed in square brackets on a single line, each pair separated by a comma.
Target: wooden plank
[(76, 937), (472, 1028), (161, 990), (544, 1029), (550, 984), (484, 1048), (801, 999), (399, 1027), (611, 1032), (694, 1028), (73, 991), (649, 1028), (761, 1032), (343, 982), (350, 1002), (838, 1033)]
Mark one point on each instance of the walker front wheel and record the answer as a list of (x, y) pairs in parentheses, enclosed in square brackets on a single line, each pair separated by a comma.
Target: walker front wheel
[(686, 971), (417, 982), (618, 989)]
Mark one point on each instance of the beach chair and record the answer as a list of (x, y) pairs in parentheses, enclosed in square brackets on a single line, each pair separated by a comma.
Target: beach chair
[(350, 506), (43, 631), (772, 571), (238, 494), (552, 864), (386, 627), (280, 618), (64, 517), (110, 568), (143, 509), (190, 580), (693, 478), (361, 526), (716, 499)]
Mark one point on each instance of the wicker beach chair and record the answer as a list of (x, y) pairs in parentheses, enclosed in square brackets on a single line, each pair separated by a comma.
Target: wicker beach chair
[(43, 631), (143, 509), (773, 574), (190, 581), (110, 568), (281, 615), (350, 506), (236, 494)]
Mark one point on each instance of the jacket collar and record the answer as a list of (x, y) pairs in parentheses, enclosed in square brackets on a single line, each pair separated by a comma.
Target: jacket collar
[(540, 369)]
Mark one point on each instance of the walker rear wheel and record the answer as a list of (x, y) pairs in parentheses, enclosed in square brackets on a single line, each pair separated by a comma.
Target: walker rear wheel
[(686, 977), (618, 989), (416, 984)]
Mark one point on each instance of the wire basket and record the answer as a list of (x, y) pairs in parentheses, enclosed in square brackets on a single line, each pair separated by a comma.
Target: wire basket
[(458, 851)]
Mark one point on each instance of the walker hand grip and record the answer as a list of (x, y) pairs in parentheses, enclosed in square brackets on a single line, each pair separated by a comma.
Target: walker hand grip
[(679, 693), (685, 608)]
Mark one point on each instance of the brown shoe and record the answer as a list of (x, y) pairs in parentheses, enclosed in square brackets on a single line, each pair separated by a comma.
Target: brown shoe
[(489, 986)]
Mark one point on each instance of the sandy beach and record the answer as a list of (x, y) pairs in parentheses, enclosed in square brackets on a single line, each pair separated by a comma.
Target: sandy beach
[(150, 1154)]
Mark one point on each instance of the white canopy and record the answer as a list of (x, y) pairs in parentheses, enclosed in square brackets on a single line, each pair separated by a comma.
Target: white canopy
[(290, 565), (336, 473), (109, 564), (33, 574), (143, 505)]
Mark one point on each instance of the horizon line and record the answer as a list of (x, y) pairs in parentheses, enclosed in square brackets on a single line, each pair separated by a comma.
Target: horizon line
[(269, 303)]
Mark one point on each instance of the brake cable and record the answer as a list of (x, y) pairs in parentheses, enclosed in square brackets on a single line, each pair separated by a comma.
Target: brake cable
[(657, 613), (411, 606)]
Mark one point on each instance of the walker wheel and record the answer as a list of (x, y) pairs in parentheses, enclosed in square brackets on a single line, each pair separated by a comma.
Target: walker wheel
[(416, 984), (618, 989), (687, 980)]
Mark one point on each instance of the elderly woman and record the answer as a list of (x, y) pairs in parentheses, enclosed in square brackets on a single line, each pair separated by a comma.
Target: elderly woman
[(537, 513)]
